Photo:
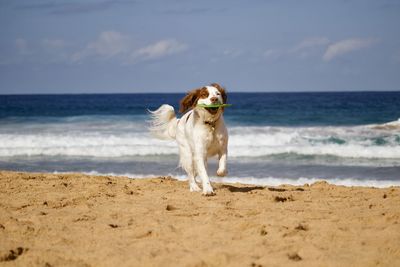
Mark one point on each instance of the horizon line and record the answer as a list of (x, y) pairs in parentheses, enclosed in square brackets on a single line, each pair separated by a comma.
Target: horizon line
[(237, 92)]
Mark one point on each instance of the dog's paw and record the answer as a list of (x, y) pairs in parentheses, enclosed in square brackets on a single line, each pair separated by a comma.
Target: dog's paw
[(222, 172), (208, 191), (194, 188)]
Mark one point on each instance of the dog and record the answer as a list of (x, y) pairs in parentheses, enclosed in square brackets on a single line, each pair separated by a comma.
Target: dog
[(200, 133)]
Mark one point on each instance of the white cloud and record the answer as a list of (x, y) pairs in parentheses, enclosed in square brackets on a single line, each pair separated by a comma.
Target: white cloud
[(316, 45), (310, 43), (112, 44), (108, 44), (346, 46), (22, 46), (159, 49), (302, 49)]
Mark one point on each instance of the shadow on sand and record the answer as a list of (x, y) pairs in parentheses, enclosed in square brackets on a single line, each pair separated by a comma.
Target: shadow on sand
[(232, 188)]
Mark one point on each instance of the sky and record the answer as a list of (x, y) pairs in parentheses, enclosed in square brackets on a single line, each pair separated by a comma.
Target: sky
[(129, 46)]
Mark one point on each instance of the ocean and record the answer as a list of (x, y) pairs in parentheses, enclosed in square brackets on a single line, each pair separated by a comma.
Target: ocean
[(345, 138)]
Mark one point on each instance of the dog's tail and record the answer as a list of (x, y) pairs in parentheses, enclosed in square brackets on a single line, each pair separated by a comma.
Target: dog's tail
[(163, 122)]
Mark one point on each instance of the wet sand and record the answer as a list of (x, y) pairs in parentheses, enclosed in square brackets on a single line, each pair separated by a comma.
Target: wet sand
[(80, 220)]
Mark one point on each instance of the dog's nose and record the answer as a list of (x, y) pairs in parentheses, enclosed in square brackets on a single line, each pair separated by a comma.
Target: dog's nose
[(213, 99)]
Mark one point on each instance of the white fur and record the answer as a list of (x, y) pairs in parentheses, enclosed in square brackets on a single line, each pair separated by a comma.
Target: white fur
[(163, 122), (199, 135)]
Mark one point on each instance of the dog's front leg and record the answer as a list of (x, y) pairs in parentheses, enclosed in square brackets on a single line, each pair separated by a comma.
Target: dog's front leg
[(223, 152), (222, 171), (200, 159)]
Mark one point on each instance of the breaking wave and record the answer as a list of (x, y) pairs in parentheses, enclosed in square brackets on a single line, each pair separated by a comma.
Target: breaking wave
[(119, 139)]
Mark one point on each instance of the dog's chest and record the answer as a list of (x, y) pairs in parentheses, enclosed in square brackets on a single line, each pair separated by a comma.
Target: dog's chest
[(213, 140)]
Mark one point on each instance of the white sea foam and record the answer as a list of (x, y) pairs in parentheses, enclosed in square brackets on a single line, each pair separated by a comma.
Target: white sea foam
[(268, 181), (108, 139), (98, 145), (350, 142)]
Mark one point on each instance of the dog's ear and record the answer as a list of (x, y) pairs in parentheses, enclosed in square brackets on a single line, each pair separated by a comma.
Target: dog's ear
[(222, 91), (189, 101)]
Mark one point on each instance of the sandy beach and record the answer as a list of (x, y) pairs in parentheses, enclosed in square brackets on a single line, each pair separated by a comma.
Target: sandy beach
[(81, 220)]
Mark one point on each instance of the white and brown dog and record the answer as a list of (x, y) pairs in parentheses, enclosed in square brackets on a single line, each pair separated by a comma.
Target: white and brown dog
[(200, 133)]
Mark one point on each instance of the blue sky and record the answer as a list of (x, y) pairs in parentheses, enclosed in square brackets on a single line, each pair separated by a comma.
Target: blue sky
[(110, 46)]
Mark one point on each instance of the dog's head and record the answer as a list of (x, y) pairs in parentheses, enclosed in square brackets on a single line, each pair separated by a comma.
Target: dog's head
[(212, 94)]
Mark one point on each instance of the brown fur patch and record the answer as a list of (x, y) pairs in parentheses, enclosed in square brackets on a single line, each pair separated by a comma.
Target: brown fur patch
[(190, 100), (222, 91), (203, 93)]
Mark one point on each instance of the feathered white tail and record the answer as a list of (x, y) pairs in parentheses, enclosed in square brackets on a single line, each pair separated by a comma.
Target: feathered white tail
[(163, 122)]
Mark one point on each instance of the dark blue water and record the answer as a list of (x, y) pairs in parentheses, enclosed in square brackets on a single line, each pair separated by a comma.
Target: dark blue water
[(277, 109), (345, 138)]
